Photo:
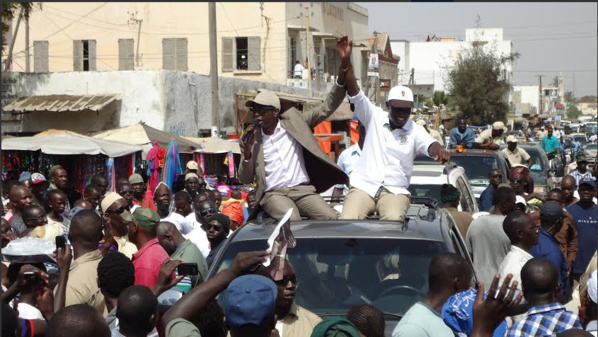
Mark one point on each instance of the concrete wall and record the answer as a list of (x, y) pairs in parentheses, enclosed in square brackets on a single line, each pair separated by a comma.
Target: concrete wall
[(528, 94), (172, 101)]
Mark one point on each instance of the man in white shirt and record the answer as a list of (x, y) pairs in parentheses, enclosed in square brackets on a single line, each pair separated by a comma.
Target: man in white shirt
[(163, 199), (380, 179), (348, 159), (516, 155), (285, 160), (523, 233), (298, 70)]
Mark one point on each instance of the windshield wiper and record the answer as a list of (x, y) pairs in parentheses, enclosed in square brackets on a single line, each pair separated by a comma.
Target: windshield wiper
[(398, 316)]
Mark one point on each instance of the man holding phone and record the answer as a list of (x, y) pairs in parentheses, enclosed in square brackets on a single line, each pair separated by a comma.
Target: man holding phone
[(180, 248)]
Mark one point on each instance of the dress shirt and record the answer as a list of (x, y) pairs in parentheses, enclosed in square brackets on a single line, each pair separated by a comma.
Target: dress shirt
[(283, 160), (486, 137), (544, 320), (182, 224), (519, 156), (513, 263), (82, 286), (579, 176), (347, 160), (387, 156)]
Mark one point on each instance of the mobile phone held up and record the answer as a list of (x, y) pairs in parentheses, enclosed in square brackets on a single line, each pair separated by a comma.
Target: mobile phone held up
[(60, 242), (188, 269)]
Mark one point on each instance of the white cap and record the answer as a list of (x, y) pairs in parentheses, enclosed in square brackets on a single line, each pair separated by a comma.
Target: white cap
[(402, 97), (520, 200), (499, 126), (592, 285), (192, 165), (109, 199), (421, 122), (511, 139)]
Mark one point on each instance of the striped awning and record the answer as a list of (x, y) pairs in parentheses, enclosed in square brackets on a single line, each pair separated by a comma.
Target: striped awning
[(60, 103)]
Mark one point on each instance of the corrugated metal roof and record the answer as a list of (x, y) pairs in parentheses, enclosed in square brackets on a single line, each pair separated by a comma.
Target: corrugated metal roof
[(60, 103)]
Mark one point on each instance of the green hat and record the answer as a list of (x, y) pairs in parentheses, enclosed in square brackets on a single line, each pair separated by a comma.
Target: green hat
[(335, 327), (146, 218)]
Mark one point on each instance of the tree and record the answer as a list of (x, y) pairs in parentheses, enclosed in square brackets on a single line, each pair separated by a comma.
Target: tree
[(570, 97), (11, 9), (478, 86), (555, 81), (440, 98)]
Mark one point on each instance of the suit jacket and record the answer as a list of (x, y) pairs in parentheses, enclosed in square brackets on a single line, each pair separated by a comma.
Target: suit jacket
[(322, 171)]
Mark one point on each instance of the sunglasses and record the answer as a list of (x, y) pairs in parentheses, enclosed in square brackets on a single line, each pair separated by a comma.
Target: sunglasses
[(216, 227), (125, 192), (207, 211), (518, 181), (285, 280), (262, 110), (39, 219), (117, 211)]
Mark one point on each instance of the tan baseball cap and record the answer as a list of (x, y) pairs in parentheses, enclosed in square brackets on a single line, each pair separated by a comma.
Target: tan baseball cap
[(511, 139), (192, 165), (265, 98), (499, 126)]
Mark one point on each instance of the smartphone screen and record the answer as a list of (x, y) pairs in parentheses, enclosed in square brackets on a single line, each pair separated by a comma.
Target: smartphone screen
[(188, 269), (60, 242)]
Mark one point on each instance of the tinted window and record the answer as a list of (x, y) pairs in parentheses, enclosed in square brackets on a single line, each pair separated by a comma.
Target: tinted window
[(431, 191), (466, 202), (476, 167), (538, 164), (336, 274)]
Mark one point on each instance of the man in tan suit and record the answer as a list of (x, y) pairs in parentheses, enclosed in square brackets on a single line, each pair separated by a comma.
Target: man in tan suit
[(289, 167)]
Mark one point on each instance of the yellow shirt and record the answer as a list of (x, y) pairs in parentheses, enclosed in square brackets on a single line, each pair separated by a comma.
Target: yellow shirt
[(519, 156), (48, 232), (486, 137), (82, 286)]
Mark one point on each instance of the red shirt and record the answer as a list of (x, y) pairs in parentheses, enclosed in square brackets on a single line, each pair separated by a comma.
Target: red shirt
[(147, 262)]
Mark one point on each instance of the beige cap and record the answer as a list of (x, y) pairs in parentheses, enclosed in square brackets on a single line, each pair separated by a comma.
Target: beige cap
[(192, 165), (191, 175), (511, 139), (109, 199), (265, 98), (499, 126), (421, 122)]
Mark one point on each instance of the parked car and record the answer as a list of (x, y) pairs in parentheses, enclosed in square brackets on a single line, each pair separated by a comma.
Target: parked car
[(544, 176), (337, 261), (426, 181), (590, 152), (580, 137), (477, 164)]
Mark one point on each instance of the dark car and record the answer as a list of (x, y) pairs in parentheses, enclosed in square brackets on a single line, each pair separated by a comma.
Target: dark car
[(543, 175), (341, 263), (477, 164)]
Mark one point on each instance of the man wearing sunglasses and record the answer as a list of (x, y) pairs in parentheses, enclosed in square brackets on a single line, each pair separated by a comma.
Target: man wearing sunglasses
[(284, 158), (117, 218), (217, 229), (486, 198)]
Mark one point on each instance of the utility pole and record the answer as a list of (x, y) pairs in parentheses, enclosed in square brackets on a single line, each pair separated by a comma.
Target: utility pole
[(411, 84), (27, 54), (541, 110), (308, 50), (8, 65), (377, 78), (137, 58), (214, 66)]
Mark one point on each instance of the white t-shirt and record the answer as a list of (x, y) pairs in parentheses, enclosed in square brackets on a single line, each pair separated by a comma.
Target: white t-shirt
[(181, 223), (27, 311)]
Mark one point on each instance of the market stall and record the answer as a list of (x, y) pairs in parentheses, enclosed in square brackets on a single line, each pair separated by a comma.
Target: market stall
[(80, 155)]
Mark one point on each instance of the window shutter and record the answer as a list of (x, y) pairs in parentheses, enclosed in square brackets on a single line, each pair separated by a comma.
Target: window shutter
[(126, 54), (168, 50), (181, 54), (227, 54), (77, 55), (92, 55), (254, 48), (40, 57)]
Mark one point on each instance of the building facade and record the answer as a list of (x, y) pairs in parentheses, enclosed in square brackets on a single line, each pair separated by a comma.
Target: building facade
[(255, 40)]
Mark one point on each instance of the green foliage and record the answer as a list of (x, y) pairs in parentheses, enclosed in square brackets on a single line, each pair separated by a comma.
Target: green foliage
[(440, 98), (477, 85), (570, 97), (573, 113), (10, 10)]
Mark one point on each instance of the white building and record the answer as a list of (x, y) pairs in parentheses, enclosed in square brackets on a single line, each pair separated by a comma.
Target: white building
[(526, 98), (430, 60)]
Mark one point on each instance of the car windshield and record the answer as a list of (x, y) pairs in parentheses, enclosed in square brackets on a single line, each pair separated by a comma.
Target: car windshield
[(591, 146), (335, 274), (476, 167), (538, 165), (581, 139)]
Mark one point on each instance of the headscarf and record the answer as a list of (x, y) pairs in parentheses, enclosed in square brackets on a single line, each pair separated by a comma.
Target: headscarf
[(335, 326), (234, 210), (449, 193)]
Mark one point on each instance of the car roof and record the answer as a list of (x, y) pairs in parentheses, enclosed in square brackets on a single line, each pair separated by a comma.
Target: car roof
[(419, 227)]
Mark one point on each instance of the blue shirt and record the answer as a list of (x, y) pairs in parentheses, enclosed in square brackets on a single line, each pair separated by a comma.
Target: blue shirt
[(550, 143), (586, 224), (486, 199), (548, 247), (545, 320), (457, 138), (347, 161)]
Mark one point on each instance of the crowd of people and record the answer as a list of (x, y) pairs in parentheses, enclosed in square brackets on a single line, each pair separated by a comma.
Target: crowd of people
[(121, 249)]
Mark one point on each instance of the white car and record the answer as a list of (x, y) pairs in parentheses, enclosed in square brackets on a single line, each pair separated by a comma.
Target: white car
[(426, 181)]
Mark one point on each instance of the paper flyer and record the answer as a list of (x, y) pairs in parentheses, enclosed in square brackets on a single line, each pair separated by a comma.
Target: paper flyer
[(280, 239)]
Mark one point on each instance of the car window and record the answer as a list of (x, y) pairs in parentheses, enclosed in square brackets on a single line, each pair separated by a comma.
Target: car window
[(335, 274), (430, 191), (466, 202), (476, 167), (538, 164)]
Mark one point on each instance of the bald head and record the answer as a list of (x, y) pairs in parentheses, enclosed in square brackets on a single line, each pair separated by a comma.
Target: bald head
[(78, 320), (86, 229), (568, 186), (514, 224), (446, 269), (539, 280), (137, 310), (20, 196), (168, 236)]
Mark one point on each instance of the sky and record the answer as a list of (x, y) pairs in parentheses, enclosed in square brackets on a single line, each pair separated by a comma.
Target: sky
[(551, 37)]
